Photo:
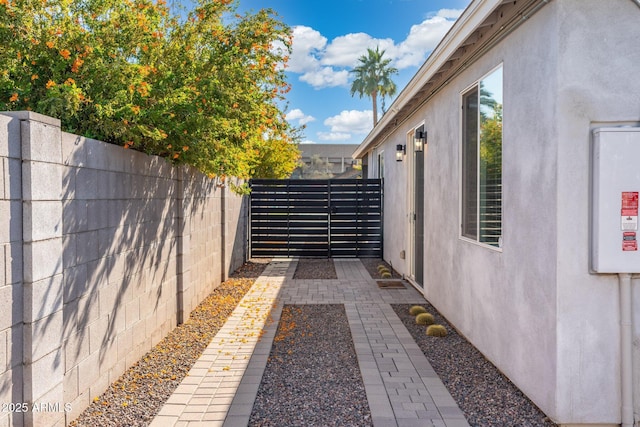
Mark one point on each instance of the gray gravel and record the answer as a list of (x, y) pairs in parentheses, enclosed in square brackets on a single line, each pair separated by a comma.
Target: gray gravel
[(312, 376), (485, 395), (315, 268), (137, 396)]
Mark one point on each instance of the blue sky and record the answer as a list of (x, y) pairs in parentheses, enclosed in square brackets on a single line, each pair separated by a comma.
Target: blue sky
[(330, 36)]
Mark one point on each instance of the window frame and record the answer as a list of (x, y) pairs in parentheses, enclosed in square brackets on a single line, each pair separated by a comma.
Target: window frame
[(463, 140)]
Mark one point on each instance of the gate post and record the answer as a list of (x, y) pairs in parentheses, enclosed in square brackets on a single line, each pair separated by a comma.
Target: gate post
[(329, 217)]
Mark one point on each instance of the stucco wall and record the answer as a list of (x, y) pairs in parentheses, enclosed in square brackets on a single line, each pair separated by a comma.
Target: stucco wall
[(394, 232), (504, 301), (117, 248), (532, 307), (598, 85)]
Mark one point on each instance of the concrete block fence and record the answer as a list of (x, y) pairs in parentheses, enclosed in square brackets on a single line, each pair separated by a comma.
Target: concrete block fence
[(103, 251)]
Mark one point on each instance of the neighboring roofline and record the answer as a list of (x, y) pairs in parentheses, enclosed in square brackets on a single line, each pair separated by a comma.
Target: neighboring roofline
[(480, 13)]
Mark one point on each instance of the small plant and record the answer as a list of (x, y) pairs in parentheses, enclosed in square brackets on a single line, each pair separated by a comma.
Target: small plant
[(425, 319), (386, 275), (382, 267), (417, 309), (436, 331)]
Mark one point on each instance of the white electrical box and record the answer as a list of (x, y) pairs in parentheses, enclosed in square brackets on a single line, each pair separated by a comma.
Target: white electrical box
[(616, 185)]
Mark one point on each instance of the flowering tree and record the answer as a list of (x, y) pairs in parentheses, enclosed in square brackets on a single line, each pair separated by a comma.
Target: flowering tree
[(202, 90)]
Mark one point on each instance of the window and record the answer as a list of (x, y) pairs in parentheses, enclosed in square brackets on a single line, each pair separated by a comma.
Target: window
[(481, 214)]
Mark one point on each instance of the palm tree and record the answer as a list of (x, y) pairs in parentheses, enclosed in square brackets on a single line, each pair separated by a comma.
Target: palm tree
[(373, 78)]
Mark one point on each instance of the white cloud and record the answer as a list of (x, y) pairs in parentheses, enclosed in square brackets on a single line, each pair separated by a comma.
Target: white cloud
[(308, 46), (351, 121), (344, 51), (333, 136), (322, 64), (326, 77), (297, 114), (422, 39), (450, 13)]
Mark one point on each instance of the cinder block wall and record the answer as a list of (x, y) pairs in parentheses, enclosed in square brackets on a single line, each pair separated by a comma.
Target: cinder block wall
[(235, 231), (104, 251), (11, 289), (204, 227)]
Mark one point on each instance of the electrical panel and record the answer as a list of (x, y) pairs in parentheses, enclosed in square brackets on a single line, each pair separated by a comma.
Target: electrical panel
[(615, 185)]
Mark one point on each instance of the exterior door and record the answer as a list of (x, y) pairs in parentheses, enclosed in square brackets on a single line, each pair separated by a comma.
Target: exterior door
[(416, 213), (418, 241)]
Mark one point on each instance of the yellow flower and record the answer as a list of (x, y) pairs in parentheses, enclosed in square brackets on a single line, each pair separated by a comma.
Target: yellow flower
[(65, 53), (50, 84), (135, 109), (34, 77), (69, 82), (14, 97), (50, 44), (185, 148)]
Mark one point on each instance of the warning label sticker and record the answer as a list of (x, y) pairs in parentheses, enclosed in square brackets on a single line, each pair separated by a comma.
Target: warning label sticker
[(629, 242), (629, 203), (629, 211)]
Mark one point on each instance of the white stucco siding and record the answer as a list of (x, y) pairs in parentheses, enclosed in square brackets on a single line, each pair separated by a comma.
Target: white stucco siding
[(598, 85), (503, 301), (532, 307), (395, 203)]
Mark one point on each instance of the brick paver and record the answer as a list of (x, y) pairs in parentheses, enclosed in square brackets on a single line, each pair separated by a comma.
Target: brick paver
[(402, 388)]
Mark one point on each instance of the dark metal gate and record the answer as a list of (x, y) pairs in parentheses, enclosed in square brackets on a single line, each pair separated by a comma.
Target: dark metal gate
[(316, 218)]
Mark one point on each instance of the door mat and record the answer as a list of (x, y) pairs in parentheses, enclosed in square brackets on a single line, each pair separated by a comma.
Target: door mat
[(390, 284)]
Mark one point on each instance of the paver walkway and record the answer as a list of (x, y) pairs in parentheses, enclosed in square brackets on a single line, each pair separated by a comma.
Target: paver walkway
[(402, 388)]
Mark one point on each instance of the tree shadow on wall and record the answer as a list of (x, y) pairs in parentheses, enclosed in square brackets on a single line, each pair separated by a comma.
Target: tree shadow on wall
[(121, 225)]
